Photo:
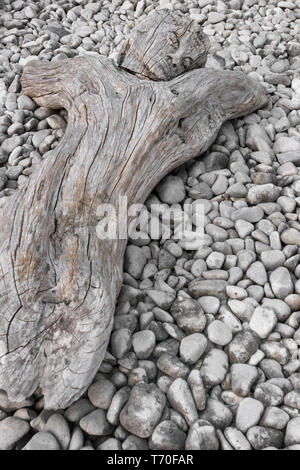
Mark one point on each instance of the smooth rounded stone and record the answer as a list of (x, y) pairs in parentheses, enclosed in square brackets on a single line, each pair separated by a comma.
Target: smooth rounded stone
[(101, 392), (39, 137), (236, 293), (202, 436), (243, 346), (143, 343), (242, 309), (167, 436), (263, 193), (244, 228), (261, 437), (171, 190), (24, 102), (217, 414), (56, 122), (134, 443), (281, 308), (269, 394), (237, 190), (290, 237), (96, 424), (258, 139), (11, 431), (42, 441), (161, 299), (209, 304), (219, 333), (250, 214), (119, 400), (196, 385), (172, 366), (248, 414), (276, 351), (263, 321), (134, 261), (292, 434), (286, 144), (236, 439), (281, 283), (257, 273), (181, 399), (214, 367), (272, 261), (274, 418), (243, 376), (77, 439), (121, 342), (292, 399), (201, 191), (110, 444), (199, 288), (217, 233), (9, 145), (220, 185), (58, 426), (188, 315), (143, 410), (215, 260), (78, 410), (192, 347), (198, 267)]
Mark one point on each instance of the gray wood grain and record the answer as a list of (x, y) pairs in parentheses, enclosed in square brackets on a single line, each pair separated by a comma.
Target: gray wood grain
[(58, 281)]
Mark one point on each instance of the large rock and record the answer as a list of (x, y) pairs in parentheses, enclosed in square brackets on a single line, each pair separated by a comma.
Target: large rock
[(143, 410)]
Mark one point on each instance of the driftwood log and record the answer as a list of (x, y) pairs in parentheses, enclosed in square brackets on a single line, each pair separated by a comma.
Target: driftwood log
[(128, 126)]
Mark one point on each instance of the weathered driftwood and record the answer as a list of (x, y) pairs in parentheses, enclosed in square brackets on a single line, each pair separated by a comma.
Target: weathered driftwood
[(58, 281)]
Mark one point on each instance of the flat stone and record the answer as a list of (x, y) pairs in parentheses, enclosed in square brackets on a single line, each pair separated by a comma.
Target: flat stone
[(172, 366), (143, 410)]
